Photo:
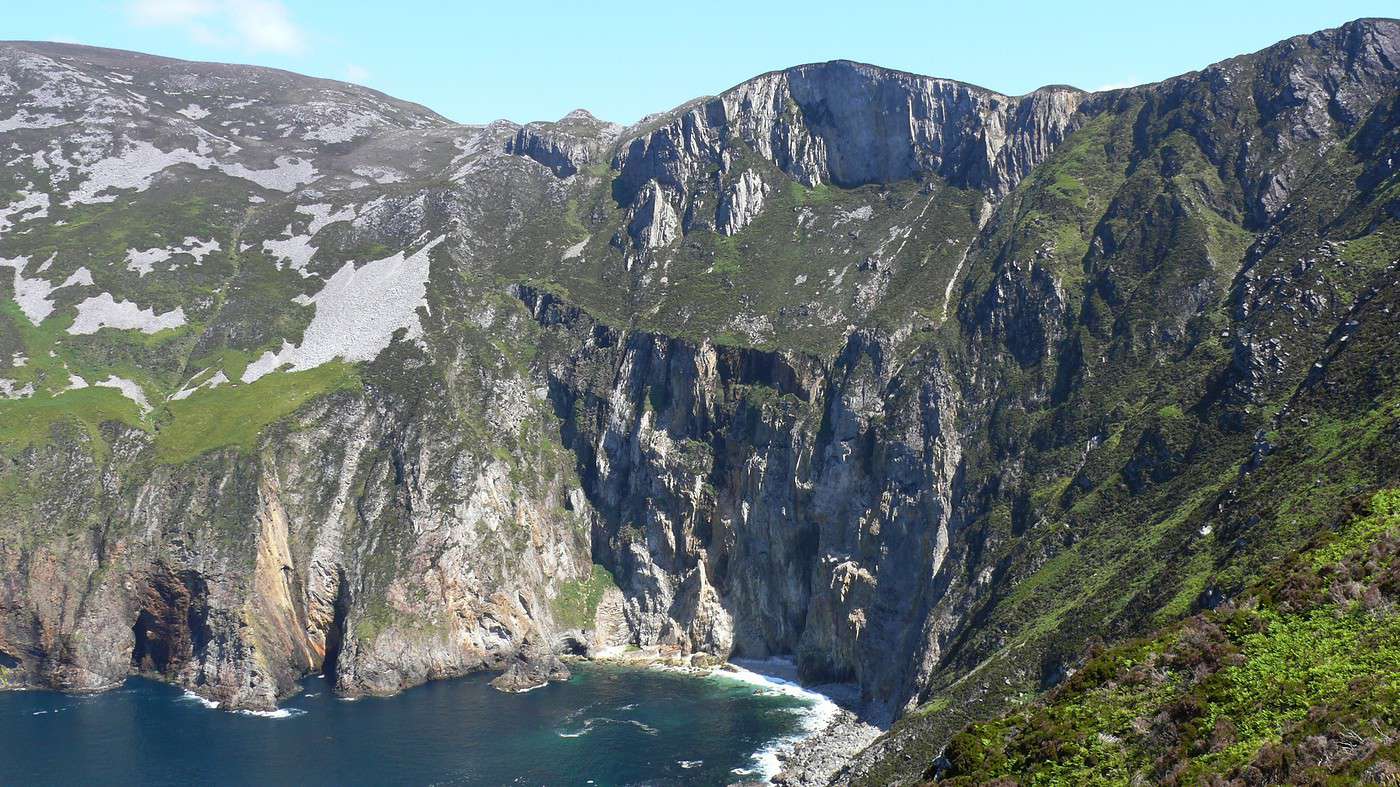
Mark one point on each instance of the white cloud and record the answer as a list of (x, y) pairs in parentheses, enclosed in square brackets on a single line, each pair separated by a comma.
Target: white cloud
[(265, 24), (253, 25), (168, 12), (356, 73)]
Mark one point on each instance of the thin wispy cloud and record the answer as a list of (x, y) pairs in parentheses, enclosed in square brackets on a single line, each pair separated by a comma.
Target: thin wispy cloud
[(249, 25)]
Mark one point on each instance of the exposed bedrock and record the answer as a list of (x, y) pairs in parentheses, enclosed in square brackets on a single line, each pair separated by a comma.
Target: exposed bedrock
[(565, 147), (850, 124), (759, 503), (235, 576)]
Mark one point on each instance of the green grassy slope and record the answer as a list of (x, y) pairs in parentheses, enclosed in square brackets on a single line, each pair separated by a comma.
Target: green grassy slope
[(1296, 681)]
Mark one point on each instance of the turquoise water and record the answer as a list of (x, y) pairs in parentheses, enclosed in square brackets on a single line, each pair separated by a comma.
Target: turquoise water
[(605, 726)]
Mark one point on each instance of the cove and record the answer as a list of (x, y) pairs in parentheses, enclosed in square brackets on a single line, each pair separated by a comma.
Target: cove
[(607, 725)]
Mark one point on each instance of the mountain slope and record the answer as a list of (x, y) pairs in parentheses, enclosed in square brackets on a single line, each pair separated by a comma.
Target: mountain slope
[(1296, 683), (920, 384), (206, 480)]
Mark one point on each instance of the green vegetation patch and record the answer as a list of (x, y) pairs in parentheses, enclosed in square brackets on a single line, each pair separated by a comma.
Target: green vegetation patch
[(29, 422), (234, 414), (1296, 682), (577, 602)]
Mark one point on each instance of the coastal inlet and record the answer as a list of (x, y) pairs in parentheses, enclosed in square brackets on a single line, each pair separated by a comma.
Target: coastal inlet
[(606, 725)]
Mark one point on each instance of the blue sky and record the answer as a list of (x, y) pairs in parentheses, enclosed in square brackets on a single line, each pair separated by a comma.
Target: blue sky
[(537, 60)]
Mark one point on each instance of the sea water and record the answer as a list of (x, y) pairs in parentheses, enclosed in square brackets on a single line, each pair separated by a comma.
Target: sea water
[(604, 726)]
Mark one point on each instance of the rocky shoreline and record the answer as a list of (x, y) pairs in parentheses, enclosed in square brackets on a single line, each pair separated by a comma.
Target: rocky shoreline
[(809, 759), (817, 757), (532, 668)]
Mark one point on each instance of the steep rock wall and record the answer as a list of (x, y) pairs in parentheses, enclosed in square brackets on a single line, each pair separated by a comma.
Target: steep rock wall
[(328, 548)]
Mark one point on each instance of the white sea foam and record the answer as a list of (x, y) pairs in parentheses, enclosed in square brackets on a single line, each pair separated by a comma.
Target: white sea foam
[(190, 696), (589, 724), (814, 719), (280, 713)]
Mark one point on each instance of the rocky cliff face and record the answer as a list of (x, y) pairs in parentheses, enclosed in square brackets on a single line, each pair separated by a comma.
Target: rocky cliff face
[(295, 515), (851, 124), (566, 147), (920, 384), (842, 123)]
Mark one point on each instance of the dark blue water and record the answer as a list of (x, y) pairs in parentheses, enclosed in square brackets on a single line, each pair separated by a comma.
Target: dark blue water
[(605, 726)]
